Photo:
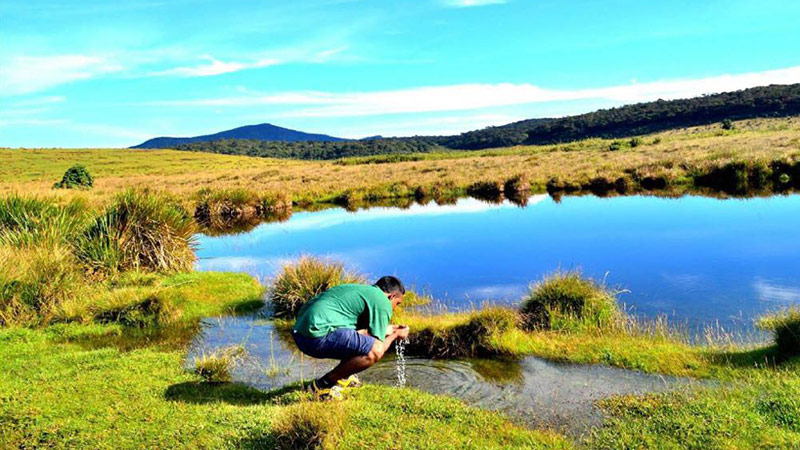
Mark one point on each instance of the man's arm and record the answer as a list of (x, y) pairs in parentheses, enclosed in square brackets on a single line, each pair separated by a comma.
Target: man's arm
[(379, 348)]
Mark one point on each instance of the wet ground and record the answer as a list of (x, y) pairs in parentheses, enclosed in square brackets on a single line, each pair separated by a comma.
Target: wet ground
[(531, 391)]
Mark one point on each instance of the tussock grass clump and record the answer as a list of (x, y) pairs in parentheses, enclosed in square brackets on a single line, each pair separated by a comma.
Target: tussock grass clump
[(34, 281), (486, 189), (216, 366), (468, 337), (140, 230), (785, 326), (566, 300), (304, 279), (226, 203), (310, 426), (76, 177), (35, 222), (517, 185)]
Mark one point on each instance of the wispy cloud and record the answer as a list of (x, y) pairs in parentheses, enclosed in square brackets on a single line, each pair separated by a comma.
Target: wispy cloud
[(477, 96), (470, 3), (29, 74), (216, 67), (283, 56)]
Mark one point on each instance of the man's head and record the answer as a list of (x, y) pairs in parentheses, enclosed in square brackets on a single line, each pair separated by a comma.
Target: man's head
[(393, 288)]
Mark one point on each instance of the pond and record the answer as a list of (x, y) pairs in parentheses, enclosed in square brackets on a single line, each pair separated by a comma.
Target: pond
[(701, 261), (531, 391)]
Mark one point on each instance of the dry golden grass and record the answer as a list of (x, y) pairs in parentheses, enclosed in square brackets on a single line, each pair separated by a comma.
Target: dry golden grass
[(184, 173)]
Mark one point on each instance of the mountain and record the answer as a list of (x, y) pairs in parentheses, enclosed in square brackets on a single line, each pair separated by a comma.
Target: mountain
[(636, 119), (262, 132), (623, 121)]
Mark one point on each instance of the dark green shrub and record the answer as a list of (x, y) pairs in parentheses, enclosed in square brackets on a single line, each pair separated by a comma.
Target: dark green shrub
[(567, 300), (634, 142), (140, 230), (656, 141), (727, 124), (785, 327), (614, 146), (76, 177)]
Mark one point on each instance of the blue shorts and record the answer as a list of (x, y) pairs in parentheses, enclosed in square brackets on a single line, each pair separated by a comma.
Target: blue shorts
[(341, 344)]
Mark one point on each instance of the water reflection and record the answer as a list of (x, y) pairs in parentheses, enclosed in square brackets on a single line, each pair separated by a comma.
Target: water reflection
[(532, 391), (697, 260)]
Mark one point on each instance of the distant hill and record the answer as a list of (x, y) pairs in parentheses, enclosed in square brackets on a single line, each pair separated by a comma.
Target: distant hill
[(628, 120), (262, 132), (636, 119)]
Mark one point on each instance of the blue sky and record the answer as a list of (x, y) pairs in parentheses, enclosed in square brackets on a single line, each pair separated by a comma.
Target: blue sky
[(112, 74)]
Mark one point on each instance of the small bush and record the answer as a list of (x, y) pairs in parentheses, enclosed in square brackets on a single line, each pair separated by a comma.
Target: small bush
[(141, 231), (567, 300), (76, 177), (634, 142), (310, 426), (300, 281), (727, 124), (785, 327), (656, 141), (614, 146), (216, 367)]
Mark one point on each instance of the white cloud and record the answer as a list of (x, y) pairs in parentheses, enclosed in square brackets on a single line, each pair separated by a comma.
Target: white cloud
[(477, 96), (216, 67), (28, 74), (469, 3)]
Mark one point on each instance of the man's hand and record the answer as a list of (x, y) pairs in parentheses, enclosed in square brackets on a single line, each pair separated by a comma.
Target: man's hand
[(401, 331), (390, 329)]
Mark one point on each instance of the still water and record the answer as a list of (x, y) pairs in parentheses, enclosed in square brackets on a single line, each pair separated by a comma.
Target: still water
[(531, 391), (701, 261)]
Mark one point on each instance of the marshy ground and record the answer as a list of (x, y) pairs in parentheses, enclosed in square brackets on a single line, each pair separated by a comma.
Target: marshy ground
[(99, 304)]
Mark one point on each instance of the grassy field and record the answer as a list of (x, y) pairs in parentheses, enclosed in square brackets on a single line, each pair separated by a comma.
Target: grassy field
[(672, 154), (99, 303)]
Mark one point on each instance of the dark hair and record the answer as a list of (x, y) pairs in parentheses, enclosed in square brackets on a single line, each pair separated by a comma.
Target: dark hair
[(390, 285)]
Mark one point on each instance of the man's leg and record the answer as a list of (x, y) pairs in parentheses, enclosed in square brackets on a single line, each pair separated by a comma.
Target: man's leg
[(353, 365)]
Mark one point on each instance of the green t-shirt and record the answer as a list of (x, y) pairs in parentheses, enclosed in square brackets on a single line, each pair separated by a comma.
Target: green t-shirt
[(355, 306)]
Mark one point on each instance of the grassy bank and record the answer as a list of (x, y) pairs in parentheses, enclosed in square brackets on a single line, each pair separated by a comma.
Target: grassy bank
[(103, 384), (749, 399), (671, 160)]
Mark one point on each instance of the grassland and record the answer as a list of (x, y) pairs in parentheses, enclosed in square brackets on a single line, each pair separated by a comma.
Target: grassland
[(675, 155), (102, 366)]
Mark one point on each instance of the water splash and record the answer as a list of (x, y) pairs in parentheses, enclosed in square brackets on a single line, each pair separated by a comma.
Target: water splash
[(400, 361)]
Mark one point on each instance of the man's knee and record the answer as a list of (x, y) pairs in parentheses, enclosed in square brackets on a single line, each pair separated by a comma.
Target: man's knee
[(376, 353)]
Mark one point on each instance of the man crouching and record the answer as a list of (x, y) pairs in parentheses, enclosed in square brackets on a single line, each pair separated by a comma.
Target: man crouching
[(349, 322)]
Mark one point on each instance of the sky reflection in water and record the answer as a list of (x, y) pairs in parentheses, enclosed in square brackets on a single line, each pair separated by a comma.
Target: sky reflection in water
[(699, 260)]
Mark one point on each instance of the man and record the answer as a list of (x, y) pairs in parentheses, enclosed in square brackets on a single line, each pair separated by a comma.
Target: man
[(349, 322)]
